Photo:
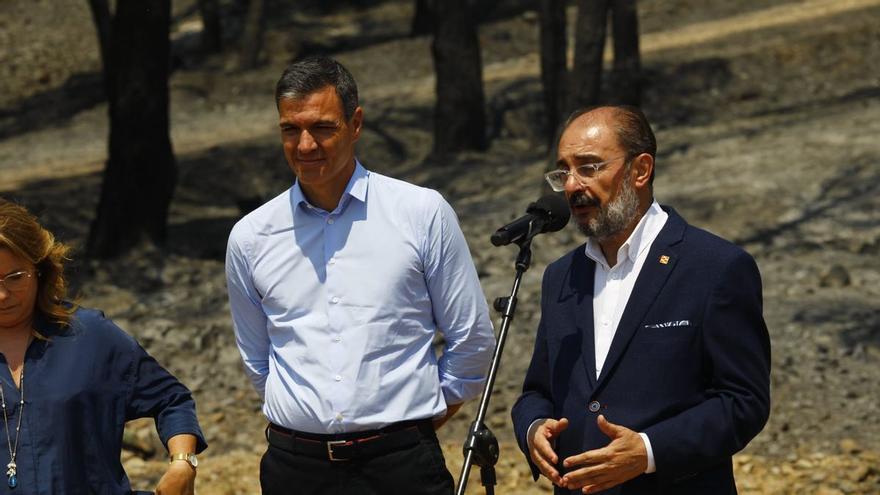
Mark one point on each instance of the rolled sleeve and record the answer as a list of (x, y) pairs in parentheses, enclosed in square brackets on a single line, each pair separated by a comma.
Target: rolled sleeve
[(459, 306), (157, 393)]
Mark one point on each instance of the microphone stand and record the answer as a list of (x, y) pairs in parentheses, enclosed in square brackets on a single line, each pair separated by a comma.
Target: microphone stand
[(481, 446)]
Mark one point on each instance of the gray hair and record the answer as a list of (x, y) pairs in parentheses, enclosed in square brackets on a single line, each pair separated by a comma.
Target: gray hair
[(312, 73)]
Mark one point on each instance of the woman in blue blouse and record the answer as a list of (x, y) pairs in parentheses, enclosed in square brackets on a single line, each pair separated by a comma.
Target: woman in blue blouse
[(72, 379)]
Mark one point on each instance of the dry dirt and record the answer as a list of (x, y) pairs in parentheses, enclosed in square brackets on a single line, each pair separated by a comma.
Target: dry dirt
[(767, 115)]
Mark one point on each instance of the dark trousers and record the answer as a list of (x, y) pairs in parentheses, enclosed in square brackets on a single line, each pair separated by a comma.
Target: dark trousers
[(414, 470)]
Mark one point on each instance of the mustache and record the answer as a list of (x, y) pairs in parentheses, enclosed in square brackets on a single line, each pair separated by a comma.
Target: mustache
[(581, 199)]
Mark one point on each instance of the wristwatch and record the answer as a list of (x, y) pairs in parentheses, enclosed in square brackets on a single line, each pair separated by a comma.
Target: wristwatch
[(189, 457)]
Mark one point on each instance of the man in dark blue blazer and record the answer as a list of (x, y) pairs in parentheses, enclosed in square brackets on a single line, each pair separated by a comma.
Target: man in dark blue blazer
[(651, 365)]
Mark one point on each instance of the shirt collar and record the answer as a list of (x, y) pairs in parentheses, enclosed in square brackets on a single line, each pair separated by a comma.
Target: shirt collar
[(639, 240), (356, 188)]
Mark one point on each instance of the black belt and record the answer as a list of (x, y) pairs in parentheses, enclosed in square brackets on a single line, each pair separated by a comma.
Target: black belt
[(350, 446)]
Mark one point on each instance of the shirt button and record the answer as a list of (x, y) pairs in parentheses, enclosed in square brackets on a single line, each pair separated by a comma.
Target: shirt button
[(330, 221), (338, 416), (338, 378), (337, 339), (334, 300), (594, 406)]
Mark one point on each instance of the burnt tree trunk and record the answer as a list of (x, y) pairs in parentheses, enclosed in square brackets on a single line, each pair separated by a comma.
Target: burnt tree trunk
[(212, 36), (554, 73), (586, 76), (459, 113), (421, 21), (103, 23), (482, 10), (252, 37), (626, 72), (141, 173)]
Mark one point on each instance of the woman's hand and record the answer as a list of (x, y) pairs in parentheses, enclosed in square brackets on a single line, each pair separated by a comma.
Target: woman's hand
[(179, 479)]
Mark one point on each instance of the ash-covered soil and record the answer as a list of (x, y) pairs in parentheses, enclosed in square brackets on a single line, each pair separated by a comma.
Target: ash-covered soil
[(767, 115)]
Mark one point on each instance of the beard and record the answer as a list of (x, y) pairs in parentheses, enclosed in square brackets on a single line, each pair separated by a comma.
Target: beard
[(613, 217)]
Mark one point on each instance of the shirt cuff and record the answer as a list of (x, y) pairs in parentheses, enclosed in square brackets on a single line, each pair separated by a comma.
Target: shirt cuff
[(457, 390), (536, 423), (651, 466)]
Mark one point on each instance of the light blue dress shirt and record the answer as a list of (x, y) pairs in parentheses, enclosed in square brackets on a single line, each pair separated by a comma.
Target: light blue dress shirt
[(335, 313)]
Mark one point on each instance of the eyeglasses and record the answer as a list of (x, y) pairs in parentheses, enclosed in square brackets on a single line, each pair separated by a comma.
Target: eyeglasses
[(16, 281), (558, 178)]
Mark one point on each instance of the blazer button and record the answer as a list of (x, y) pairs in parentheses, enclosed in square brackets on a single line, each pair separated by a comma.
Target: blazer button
[(594, 406)]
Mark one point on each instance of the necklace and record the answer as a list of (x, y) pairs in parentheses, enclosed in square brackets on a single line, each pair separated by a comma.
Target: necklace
[(11, 467)]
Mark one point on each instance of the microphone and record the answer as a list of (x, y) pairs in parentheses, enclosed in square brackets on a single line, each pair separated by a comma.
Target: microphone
[(548, 214)]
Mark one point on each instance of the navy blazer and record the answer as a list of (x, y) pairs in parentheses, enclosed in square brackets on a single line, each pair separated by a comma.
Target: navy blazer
[(689, 364)]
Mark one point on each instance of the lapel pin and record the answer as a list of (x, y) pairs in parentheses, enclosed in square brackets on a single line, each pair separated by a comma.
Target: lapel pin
[(664, 260)]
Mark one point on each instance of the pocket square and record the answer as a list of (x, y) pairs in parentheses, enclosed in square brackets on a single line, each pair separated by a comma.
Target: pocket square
[(669, 324)]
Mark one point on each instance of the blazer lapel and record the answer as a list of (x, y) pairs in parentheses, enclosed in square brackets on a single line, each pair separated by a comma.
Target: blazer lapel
[(582, 273), (660, 262)]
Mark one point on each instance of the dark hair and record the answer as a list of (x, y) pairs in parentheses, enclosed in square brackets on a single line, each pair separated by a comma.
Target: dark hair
[(632, 128), (309, 74), (21, 233)]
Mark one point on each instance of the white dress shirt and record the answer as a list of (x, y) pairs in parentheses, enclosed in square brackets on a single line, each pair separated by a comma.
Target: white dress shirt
[(612, 285), (335, 312)]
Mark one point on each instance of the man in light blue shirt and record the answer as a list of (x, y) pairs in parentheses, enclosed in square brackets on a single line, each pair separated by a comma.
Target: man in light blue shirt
[(336, 288)]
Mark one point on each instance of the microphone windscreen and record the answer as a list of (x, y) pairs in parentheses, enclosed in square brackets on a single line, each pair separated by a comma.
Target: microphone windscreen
[(555, 207)]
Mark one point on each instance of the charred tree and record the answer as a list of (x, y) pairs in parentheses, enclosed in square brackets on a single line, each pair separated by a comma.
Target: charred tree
[(252, 37), (212, 35), (141, 172), (103, 22), (423, 17), (459, 113), (626, 72), (554, 73), (421, 22), (482, 10), (586, 74)]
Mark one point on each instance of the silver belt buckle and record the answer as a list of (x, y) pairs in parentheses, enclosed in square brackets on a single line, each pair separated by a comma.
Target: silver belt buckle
[(330, 445)]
